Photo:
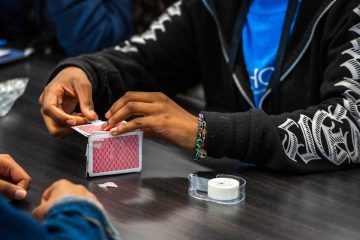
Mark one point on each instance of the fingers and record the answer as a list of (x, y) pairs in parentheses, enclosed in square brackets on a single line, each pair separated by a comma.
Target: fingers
[(12, 191), (57, 191), (135, 124), (50, 196), (69, 88), (55, 118), (57, 113), (40, 211), (59, 130), (146, 97), (84, 92), (41, 99), (12, 171), (47, 193), (131, 109), (24, 183), (161, 117), (51, 101), (20, 177), (17, 180), (134, 104)]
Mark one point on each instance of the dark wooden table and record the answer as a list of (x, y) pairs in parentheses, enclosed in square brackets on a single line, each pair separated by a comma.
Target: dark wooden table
[(155, 203)]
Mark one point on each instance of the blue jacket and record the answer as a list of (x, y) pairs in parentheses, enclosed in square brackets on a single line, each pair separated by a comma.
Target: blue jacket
[(81, 26), (71, 218)]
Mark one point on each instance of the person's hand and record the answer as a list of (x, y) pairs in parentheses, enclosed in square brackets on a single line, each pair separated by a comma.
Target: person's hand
[(14, 181), (61, 96), (156, 114), (57, 191)]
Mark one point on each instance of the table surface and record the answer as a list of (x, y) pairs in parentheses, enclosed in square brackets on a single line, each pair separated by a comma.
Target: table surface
[(155, 205)]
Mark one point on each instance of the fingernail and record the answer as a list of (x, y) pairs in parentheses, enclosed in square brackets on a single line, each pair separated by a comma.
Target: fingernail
[(113, 130), (107, 115), (105, 124), (71, 122), (20, 194), (92, 112)]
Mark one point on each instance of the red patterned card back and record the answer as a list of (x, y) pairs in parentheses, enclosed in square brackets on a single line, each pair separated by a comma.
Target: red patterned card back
[(90, 128), (115, 153)]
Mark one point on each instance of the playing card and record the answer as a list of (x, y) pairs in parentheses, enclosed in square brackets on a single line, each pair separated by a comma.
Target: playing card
[(87, 129), (108, 154), (92, 127)]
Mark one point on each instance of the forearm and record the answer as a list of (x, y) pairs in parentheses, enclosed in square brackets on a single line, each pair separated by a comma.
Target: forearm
[(158, 60), (321, 135), (319, 138)]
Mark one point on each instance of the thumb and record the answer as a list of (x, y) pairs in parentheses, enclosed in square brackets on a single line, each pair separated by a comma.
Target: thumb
[(40, 211), (12, 191), (84, 92)]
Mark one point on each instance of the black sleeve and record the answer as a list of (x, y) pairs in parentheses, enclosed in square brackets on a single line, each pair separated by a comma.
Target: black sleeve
[(319, 138), (163, 58)]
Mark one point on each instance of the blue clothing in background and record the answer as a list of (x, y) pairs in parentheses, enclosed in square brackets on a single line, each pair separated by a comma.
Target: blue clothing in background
[(260, 42), (91, 25), (74, 218), (81, 26)]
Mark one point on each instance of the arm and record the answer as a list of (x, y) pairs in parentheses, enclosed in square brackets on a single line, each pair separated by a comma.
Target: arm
[(70, 211), (78, 218), (14, 181), (163, 58), (17, 225), (75, 218), (91, 25), (319, 138)]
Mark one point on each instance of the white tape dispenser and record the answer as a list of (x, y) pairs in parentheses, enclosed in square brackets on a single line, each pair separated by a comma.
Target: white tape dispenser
[(223, 189)]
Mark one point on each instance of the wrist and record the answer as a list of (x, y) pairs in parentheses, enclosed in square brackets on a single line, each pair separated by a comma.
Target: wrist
[(71, 199), (199, 151)]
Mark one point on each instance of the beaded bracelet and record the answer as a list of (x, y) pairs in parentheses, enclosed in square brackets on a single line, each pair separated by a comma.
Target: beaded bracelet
[(199, 151)]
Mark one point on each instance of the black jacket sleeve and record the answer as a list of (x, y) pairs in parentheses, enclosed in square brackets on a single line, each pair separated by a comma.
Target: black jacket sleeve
[(324, 136), (161, 59)]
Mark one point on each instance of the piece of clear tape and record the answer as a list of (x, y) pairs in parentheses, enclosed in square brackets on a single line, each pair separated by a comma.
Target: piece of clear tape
[(10, 91), (198, 188)]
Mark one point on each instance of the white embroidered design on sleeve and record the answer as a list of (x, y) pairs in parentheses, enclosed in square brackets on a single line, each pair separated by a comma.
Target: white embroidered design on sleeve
[(323, 135), (151, 34)]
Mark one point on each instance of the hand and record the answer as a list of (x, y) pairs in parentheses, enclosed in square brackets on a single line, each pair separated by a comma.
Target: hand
[(159, 116), (60, 97), (14, 181), (58, 190)]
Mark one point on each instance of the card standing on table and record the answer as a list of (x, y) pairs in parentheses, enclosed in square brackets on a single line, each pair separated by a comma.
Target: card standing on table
[(107, 154)]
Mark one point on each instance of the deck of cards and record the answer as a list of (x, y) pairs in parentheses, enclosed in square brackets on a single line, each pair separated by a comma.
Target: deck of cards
[(107, 154)]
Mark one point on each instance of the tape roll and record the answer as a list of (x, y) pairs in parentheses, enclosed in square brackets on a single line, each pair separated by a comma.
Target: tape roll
[(223, 189)]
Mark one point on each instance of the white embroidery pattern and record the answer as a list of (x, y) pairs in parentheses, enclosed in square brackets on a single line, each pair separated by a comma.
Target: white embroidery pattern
[(352, 64), (324, 134), (357, 10), (151, 33)]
